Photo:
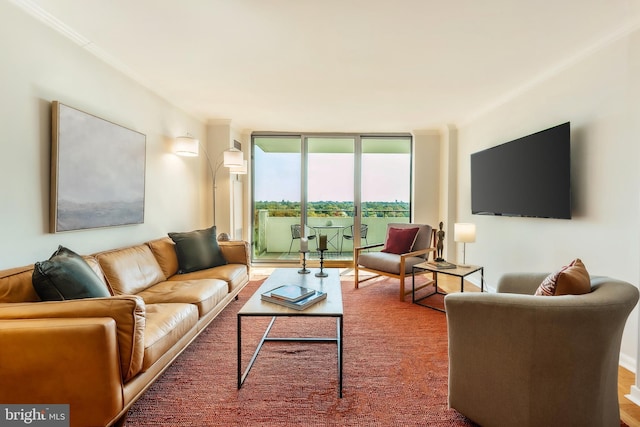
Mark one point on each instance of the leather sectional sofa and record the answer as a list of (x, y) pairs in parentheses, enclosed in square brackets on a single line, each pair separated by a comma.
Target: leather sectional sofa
[(99, 355)]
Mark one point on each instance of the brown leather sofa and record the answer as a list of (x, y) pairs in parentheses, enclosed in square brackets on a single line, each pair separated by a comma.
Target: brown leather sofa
[(99, 355)]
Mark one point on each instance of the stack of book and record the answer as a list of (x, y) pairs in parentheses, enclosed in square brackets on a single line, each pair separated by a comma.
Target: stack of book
[(441, 264), (293, 296)]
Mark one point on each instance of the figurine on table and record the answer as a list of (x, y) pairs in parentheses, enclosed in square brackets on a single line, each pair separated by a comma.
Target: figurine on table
[(440, 243)]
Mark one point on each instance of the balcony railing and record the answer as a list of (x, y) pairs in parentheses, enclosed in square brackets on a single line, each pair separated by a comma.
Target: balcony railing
[(338, 213), (272, 229)]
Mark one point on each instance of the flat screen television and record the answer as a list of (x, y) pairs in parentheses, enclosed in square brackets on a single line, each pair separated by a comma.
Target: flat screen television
[(527, 177)]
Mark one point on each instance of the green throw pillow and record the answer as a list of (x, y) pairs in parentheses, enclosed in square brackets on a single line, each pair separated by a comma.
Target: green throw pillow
[(66, 275), (197, 250)]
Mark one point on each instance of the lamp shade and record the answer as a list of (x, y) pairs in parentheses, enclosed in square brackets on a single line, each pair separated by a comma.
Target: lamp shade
[(233, 158), (464, 232), (186, 146), (239, 170)]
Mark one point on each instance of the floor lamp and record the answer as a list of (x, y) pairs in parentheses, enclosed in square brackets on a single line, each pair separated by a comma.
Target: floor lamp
[(231, 158), (464, 233)]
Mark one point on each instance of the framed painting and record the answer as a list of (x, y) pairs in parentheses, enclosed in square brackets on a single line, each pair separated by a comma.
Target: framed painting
[(97, 172)]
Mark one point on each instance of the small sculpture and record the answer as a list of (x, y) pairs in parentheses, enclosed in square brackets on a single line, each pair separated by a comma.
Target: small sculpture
[(440, 243)]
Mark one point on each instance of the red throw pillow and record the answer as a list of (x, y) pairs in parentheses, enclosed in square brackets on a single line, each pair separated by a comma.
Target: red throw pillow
[(400, 240)]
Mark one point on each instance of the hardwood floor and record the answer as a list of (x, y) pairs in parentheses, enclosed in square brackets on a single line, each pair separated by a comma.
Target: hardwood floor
[(629, 411), (451, 284)]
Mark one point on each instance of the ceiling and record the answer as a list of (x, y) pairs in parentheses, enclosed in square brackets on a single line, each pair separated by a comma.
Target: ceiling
[(338, 65)]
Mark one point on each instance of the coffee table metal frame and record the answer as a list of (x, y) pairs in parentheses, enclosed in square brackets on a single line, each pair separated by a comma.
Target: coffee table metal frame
[(459, 271), (330, 307)]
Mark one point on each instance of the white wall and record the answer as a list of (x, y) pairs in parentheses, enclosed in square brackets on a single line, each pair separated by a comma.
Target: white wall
[(595, 95), (37, 66), (427, 180)]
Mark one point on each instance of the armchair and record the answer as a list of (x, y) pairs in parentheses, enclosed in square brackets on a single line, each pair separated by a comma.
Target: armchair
[(525, 360), (393, 265)]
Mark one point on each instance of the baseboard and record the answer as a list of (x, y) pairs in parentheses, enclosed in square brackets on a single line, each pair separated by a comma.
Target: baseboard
[(474, 280), (634, 395), (627, 362)]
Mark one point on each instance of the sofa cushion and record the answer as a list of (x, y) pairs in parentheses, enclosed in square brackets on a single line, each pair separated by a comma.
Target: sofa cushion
[(130, 270), (197, 250), (166, 324), (66, 275), (234, 274), (400, 240), (236, 252), (165, 252), (16, 285), (204, 293), (572, 279), (95, 266)]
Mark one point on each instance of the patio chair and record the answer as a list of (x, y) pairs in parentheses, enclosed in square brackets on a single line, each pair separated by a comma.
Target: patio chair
[(296, 234), (400, 253), (348, 234)]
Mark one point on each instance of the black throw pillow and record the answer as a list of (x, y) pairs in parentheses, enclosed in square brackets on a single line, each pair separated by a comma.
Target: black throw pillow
[(66, 275), (197, 250)]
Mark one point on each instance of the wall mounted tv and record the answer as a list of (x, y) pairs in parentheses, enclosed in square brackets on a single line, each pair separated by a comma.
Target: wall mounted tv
[(527, 177)]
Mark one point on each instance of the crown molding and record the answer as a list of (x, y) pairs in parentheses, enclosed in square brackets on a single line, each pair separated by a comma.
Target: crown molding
[(33, 9), (42, 15)]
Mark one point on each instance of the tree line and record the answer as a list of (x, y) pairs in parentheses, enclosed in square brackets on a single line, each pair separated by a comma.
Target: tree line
[(284, 208)]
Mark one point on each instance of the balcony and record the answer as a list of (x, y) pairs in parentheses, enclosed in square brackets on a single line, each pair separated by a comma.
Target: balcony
[(272, 240)]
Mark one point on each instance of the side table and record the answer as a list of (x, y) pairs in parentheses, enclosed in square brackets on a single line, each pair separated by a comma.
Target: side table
[(460, 272)]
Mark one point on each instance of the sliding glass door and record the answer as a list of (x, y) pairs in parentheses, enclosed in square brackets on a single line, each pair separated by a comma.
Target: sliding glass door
[(385, 184), (344, 187), (277, 197), (330, 191)]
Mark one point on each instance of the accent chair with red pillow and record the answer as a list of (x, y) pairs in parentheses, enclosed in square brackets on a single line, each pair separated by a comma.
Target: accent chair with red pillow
[(405, 246)]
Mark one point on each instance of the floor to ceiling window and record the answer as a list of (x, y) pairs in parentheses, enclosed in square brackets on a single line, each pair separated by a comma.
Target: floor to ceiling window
[(345, 187)]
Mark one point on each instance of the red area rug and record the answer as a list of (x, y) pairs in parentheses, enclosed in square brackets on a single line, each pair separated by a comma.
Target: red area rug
[(395, 370)]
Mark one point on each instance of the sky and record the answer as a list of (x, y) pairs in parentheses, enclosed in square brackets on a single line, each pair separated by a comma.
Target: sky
[(385, 177)]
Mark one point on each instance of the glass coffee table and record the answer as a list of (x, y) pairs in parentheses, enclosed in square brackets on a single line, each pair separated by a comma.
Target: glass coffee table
[(329, 307)]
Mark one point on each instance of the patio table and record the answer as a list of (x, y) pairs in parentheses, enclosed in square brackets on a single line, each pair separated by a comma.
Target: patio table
[(333, 233)]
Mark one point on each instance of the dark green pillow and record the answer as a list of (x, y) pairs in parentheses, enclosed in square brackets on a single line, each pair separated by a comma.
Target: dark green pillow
[(197, 250), (66, 275)]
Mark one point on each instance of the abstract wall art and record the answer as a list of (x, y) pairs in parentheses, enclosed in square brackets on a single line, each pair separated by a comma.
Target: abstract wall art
[(97, 172)]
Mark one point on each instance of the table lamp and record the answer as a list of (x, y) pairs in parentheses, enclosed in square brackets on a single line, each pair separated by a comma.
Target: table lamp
[(464, 233)]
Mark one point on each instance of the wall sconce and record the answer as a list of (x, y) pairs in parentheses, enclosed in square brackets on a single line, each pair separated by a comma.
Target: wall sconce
[(231, 158), (186, 146), (464, 233)]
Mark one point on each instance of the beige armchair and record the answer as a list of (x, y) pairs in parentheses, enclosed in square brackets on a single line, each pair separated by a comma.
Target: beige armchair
[(521, 360), (398, 266)]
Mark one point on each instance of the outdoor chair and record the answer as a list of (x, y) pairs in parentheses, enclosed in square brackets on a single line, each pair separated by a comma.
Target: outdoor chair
[(296, 234), (399, 254), (348, 234)]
